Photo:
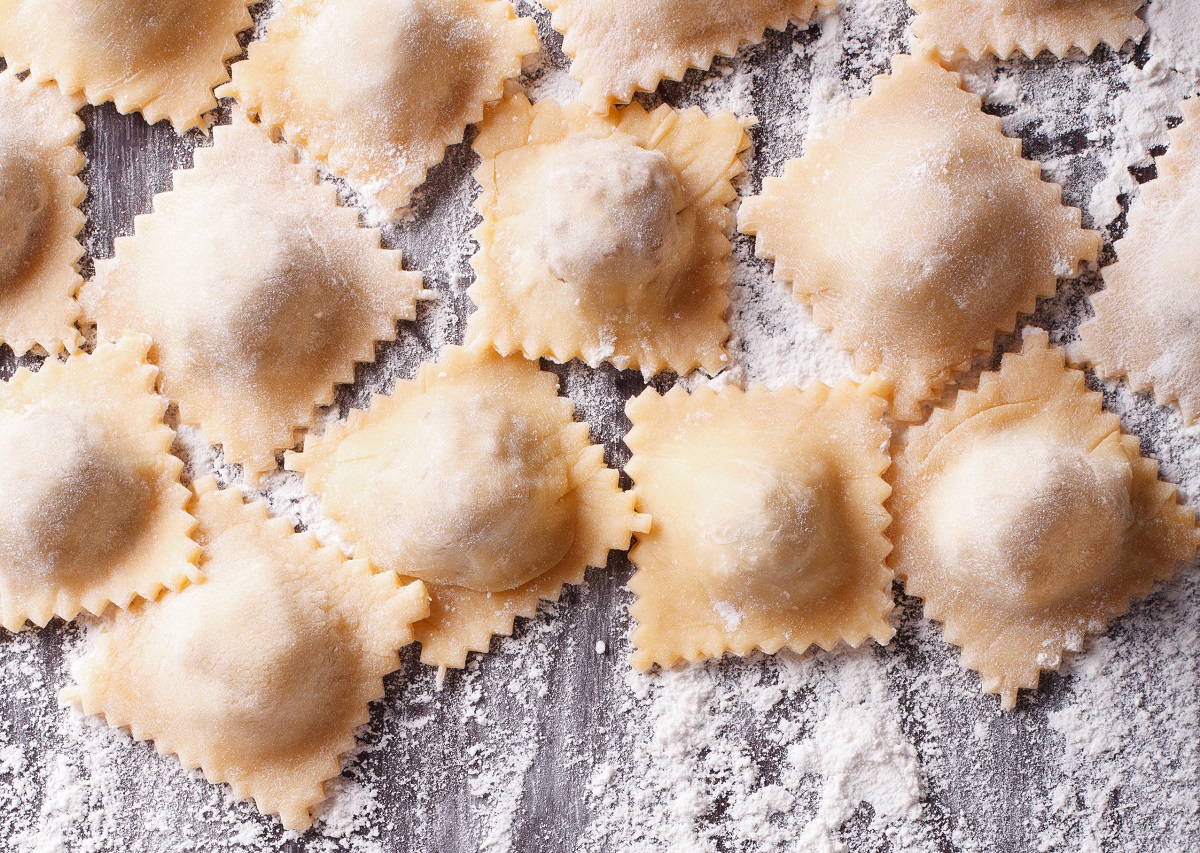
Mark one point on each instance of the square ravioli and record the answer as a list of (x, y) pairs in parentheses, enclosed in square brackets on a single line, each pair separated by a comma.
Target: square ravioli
[(1002, 27), (161, 58), (620, 47), (91, 508), (767, 520), (40, 216), (260, 675), (376, 89), (474, 478), (603, 237), (260, 292), (916, 230), (1025, 519), (1146, 317)]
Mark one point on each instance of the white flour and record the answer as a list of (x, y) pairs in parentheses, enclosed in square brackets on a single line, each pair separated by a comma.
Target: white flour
[(553, 743)]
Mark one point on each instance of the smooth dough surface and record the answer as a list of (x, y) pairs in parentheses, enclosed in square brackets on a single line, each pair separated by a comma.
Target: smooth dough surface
[(159, 58), (474, 478), (259, 675), (1003, 27), (377, 89), (91, 508), (603, 237), (1147, 321), (1026, 519), (40, 216), (768, 520), (620, 47), (916, 230), (261, 293)]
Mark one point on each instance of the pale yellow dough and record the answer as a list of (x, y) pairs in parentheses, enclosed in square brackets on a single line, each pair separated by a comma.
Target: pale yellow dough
[(1026, 520), (259, 675), (917, 231), (1002, 27), (474, 478), (377, 89), (39, 217), (603, 237), (768, 520), (161, 58), (1148, 315), (91, 508), (261, 293), (621, 47)]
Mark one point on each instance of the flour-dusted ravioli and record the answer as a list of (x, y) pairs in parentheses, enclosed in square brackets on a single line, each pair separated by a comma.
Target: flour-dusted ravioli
[(259, 675), (261, 293), (603, 237), (474, 478), (39, 216), (620, 47), (768, 520), (917, 231), (1026, 520), (377, 89), (1147, 316), (91, 508), (1002, 27), (161, 58)]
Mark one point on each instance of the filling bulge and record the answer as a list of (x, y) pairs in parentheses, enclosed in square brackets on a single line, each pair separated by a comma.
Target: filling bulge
[(1030, 524), (765, 533), (25, 200), (481, 497), (67, 503), (251, 671), (609, 219)]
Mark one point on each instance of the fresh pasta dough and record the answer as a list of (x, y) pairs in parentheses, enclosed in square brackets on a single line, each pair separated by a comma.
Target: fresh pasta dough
[(260, 675), (1026, 519), (475, 479), (1147, 315), (377, 89), (603, 237), (1003, 27), (621, 47), (767, 520), (40, 217), (91, 508), (260, 292), (159, 58), (917, 231)]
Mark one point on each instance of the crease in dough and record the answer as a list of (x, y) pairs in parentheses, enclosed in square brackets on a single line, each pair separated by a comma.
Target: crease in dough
[(1147, 319), (377, 89), (1026, 520), (1003, 27), (91, 508), (917, 231), (260, 291), (603, 237), (40, 217), (475, 478), (159, 58), (768, 520), (260, 674), (621, 47)]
